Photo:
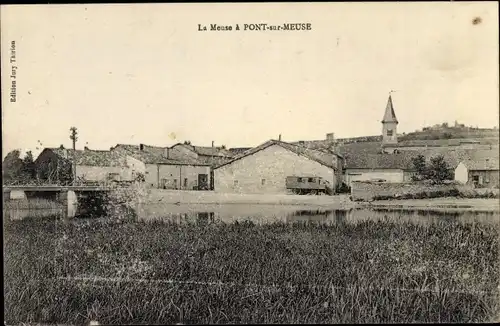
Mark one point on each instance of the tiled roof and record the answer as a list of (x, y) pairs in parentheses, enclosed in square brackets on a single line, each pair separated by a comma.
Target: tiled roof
[(403, 160), (239, 150), (154, 155), (375, 146), (318, 156), (379, 161), (208, 150), (489, 164), (91, 157)]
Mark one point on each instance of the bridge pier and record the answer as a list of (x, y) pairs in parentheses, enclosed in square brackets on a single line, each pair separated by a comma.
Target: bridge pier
[(69, 202), (6, 195)]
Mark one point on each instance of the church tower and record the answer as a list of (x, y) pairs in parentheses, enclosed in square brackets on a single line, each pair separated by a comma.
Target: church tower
[(389, 124)]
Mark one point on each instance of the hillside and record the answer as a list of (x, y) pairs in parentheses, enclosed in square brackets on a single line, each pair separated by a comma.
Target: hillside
[(450, 133)]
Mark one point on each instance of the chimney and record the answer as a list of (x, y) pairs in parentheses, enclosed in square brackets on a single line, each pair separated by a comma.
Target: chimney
[(167, 152), (330, 136), (279, 137), (141, 147)]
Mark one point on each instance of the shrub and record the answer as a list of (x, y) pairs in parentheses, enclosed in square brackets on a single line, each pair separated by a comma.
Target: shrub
[(343, 188)]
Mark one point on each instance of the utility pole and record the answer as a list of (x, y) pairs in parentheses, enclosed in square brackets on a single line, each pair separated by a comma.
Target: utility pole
[(73, 136), (212, 168)]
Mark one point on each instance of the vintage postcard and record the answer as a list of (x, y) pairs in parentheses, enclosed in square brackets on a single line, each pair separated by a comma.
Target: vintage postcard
[(222, 163)]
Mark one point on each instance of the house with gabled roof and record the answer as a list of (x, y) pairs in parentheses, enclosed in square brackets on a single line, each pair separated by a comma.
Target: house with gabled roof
[(57, 164), (265, 168), (479, 172), (393, 168), (398, 167), (165, 171), (214, 156)]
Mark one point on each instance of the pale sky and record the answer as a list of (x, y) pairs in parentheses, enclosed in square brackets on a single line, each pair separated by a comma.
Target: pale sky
[(142, 73)]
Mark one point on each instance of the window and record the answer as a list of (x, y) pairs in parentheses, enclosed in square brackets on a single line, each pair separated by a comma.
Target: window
[(114, 176), (310, 180), (185, 182), (263, 181), (235, 182), (389, 132), (299, 180)]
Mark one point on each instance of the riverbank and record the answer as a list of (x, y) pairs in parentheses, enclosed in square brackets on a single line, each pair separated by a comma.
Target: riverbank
[(210, 197), (324, 202), (448, 203)]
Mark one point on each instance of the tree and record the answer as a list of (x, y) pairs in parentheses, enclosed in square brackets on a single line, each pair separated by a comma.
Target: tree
[(29, 166), (439, 170), (420, 167), (16, 170), (12, 167)]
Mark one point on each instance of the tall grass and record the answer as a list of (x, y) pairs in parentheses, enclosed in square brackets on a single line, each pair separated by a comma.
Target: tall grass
[(277, 273)]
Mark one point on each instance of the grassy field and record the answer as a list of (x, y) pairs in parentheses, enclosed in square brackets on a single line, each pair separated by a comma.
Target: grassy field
[(162, 273)]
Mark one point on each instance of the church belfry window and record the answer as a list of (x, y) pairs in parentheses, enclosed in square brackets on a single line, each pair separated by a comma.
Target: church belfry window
[(389, 132)]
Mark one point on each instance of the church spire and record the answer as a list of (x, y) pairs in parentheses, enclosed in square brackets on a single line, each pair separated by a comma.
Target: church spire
[(389, 115)]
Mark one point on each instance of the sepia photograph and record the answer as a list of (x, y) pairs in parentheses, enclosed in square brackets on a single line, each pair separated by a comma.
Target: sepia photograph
[(251, 163)]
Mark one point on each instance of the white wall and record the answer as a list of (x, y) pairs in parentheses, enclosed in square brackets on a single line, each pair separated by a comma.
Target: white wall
[(135, 165), (100, 173), (390, 175), (273, 164), (175, 172), (461, 173)]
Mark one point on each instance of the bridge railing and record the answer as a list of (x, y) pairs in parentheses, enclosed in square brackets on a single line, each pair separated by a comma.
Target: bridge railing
[(104, 184)]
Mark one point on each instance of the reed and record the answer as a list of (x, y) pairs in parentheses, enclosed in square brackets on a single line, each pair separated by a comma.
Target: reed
[(156, 272)]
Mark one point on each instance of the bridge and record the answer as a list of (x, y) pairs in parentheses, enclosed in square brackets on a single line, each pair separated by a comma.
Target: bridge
[(56, 188), (73, 199)]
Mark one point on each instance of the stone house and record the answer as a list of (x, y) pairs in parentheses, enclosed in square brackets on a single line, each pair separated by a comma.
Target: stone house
[(162, 171), (56, 165), (392, 168), (483, 173), (265, 168), (213, 156), (397, 168)]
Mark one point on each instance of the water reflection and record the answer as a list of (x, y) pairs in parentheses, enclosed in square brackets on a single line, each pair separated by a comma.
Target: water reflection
[(260, 214)]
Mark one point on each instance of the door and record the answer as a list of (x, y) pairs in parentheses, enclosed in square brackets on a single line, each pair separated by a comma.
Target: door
[(211, 179), (203, 181)]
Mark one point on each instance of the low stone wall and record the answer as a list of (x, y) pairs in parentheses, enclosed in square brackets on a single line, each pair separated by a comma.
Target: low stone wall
[(367, 191)]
